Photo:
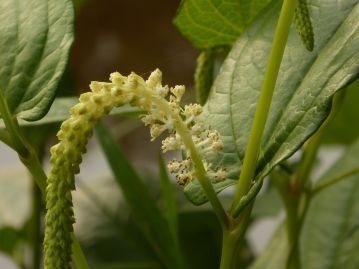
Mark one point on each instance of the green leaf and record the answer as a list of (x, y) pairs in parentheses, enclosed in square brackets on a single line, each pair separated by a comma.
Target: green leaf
[(35, 38), (169, 199), (60, 111), (275, 254), (302, 98), (154, 225), (331, 232), (200, 235), (9, 239), (345, 128), (267, 204), (330, 235), (214, 23)]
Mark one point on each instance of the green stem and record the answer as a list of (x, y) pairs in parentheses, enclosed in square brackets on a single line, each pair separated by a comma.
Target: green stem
[(248, 198), (232, 238), (36, 226), (229, 246), (307, 163), (5, 137), (301, 209), (291, 201), (17, 140), (265, 98), (29, 158), (333, 180)]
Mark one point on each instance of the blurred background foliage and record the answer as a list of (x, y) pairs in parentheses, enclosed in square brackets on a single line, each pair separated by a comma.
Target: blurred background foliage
[(127, 36)]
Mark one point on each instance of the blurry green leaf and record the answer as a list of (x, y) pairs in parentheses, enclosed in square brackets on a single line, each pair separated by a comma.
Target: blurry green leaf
[(60, 108), (267, 204), (128, 266), (104, 223), (9, 238), (35, 38), (169, 199), (330, 235), (331, 232), (214, 23), (275, 254), (302, 98), (200, 235), (15, 197), (345, 128), (144, 208)]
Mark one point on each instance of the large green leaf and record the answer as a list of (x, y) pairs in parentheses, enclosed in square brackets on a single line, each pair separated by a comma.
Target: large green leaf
[(302, 98), (330, 236), (214, 23), (154, 225), (331, 231), (35, 37)]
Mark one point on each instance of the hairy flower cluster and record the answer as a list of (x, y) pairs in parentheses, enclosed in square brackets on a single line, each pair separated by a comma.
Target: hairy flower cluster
[(161, 118), (162, 115)]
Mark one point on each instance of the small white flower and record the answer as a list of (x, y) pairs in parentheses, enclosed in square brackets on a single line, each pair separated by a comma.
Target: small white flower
[(221, 174), (175, 166), (178, 91), (173, 142)]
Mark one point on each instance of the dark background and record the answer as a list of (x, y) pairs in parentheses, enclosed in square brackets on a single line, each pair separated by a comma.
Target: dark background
[(125, 36)]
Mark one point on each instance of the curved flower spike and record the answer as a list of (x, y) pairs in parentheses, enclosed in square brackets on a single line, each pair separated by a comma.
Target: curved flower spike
[(186, 132)]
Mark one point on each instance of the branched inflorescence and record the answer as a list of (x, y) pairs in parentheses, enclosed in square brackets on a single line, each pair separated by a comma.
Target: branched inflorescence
[(162, 114)]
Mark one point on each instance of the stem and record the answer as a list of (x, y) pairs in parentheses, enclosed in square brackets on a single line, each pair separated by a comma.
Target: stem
[(29, 158), (5, 137), (291, 201), (265, 98), (36, 226), (229, 245), (232, 238), (333, 180), (293, 260), (307, 163), (248, 198), (17, 140)]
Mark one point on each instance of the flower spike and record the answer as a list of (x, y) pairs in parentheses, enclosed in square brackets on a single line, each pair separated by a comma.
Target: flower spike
[(163, 113)]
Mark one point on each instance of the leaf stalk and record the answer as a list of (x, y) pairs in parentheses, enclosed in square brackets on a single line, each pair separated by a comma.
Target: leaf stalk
[(265, 98)]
